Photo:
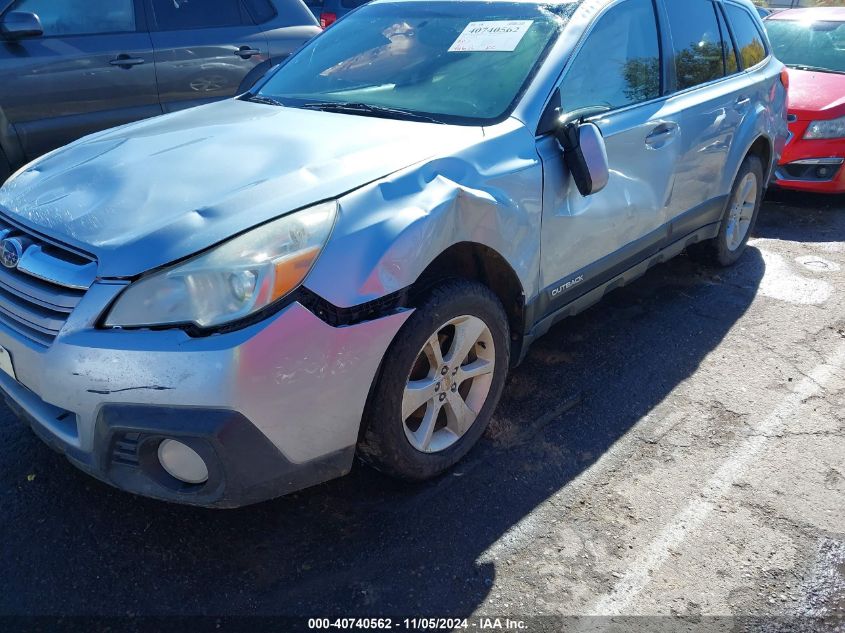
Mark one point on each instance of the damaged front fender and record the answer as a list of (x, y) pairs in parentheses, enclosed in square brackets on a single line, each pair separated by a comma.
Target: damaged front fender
[(391, 230)]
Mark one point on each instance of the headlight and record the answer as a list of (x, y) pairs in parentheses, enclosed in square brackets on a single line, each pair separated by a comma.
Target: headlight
[(233, 280), (834, 128)]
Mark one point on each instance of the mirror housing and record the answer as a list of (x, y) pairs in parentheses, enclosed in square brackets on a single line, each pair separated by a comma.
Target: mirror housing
[(19, 25), (585, 154)]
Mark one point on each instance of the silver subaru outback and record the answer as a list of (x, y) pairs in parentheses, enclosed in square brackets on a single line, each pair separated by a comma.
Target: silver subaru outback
[(230, 303)]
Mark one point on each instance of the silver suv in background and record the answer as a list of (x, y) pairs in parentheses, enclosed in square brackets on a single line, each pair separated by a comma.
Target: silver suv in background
[(72, 67), (229, 303)]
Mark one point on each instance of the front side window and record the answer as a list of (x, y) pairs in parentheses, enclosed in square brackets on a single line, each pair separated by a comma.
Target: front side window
[(619, 63), (459, 62), (697, 42), (174, 15), (81, 17), (752, 50), (816, 46)]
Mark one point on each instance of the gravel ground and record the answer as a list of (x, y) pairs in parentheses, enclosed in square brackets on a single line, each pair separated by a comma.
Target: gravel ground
[(676, 450)]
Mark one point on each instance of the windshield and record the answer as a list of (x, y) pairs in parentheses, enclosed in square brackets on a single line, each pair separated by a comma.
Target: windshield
[(812, 45), (456, 62)]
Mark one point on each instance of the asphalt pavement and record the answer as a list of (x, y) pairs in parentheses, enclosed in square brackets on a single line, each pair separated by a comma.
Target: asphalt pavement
[(676, 450)]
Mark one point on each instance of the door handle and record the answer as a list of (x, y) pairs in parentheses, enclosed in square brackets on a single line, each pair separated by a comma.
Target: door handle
[(741, 102), (125, 61), (245, 52), (661, 135)]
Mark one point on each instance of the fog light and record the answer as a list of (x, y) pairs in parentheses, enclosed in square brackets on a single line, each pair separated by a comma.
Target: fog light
[(822, 172), (182, 462)]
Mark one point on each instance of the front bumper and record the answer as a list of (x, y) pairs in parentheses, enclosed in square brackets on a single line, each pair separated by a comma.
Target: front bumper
[(272, 408), (814, 166)]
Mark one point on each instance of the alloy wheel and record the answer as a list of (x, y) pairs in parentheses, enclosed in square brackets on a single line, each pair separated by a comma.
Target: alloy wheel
[(741, 212), (448, 384)]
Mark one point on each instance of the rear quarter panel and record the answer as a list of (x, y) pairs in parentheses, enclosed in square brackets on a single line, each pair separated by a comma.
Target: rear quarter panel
[(767, 118), (293, 25), (285, 40)]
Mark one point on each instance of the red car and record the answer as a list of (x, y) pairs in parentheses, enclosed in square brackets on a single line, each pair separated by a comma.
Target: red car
[(811, 42)]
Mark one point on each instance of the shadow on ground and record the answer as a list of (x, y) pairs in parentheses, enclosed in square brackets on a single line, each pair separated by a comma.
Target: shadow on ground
[(365, 544), (802, 217)]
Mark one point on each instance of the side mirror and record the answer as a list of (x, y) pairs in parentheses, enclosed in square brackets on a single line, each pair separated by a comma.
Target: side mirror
[(18, 25), (585, 154)]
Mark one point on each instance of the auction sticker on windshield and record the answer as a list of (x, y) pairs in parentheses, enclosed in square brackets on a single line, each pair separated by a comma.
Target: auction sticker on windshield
[(496, 35)]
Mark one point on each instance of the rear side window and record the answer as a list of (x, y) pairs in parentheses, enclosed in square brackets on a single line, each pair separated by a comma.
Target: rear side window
[(70, 17), (731, 62), (261, 10), (697, 42), (619, 63), (172, 15), (752, 50)]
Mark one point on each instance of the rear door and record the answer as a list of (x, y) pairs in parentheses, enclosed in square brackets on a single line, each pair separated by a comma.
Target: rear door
[(586, 241), (92, 69), (203, 49), (714, 100)]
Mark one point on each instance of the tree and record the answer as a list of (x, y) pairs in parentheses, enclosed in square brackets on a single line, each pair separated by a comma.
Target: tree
[(642, 77)]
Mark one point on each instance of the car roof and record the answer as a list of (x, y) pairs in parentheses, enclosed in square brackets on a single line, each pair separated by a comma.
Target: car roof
[(814, 14)]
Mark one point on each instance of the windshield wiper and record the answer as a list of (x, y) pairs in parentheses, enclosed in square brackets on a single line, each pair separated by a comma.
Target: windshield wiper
[(819, 69), (369, 110), (263, 99)]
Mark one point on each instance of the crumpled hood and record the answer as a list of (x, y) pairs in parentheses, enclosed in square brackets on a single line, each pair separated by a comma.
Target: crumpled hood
[(149, 193), (814, 95)]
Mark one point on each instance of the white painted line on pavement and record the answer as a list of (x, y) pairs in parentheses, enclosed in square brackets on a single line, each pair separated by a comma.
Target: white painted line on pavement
[(640, 572)]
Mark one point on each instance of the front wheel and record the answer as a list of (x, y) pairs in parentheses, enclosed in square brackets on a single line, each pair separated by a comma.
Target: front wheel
[(740, 217), (439, 384)]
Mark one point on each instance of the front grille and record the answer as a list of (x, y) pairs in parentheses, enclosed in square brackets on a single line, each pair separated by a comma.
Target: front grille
[(41, 282)]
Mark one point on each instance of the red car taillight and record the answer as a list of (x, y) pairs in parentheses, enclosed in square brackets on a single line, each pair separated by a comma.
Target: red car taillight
[(327, 18)]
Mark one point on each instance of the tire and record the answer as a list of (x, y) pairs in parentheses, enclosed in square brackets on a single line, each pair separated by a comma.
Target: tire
[(389, 442), (740, 215)]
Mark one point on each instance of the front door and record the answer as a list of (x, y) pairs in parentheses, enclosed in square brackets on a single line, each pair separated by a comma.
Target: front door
[(586, 241), (203, 49), (92, 69)]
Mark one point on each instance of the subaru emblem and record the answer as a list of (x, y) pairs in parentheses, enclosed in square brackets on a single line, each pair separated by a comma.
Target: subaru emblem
[(11, 250)]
